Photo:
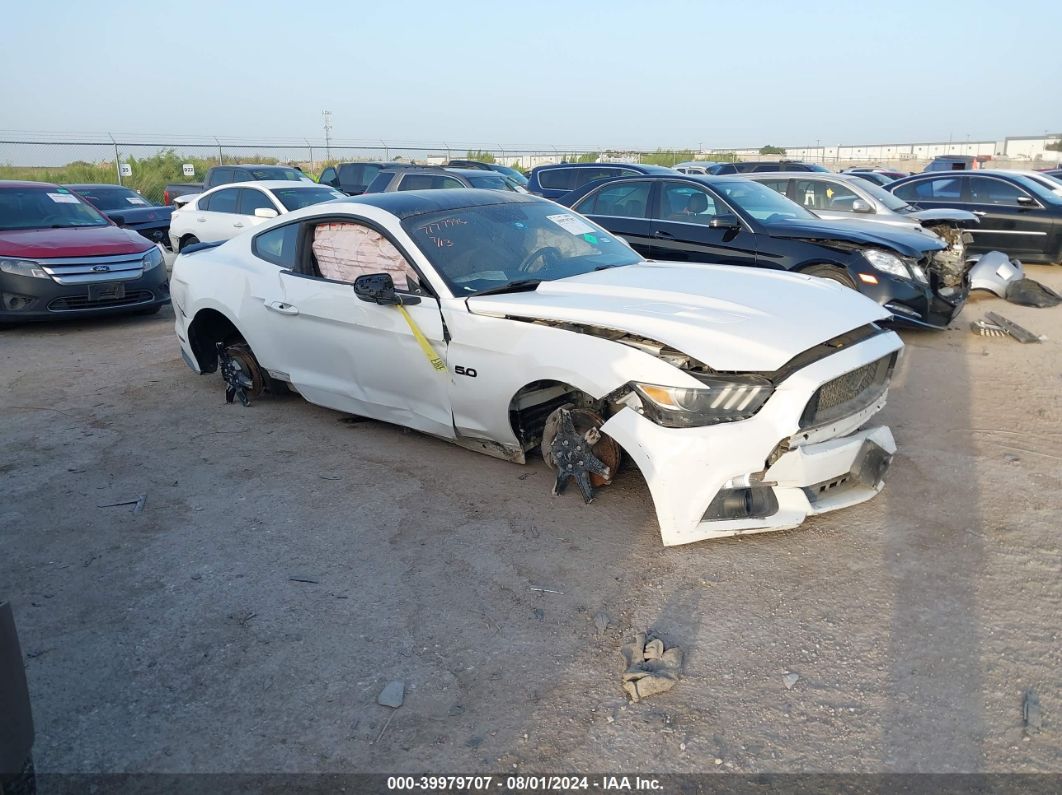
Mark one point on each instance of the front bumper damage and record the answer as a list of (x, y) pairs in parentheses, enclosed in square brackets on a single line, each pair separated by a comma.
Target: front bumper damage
[(778, 472)]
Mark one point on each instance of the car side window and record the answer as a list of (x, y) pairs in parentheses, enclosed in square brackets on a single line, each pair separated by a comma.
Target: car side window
[(823, 195), (766, 167), (380, 182), (428, 182), (778, 185), (278, 246), (343, 251), (559, 178), (625, 200), (219, 176), (686, 203), (224, 201), (252, 199), (241, 175), (939, 189), (985, 190), (328, 176)]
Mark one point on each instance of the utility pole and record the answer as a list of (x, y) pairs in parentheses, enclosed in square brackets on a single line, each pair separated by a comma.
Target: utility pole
[(327, 116)]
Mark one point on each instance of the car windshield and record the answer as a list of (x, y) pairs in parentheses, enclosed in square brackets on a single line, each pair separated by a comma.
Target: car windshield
[(1046, 187), (497, 246), (297, 198), (761, 202), (512, 173), (894, 203), (277, 172), (116, 198), (489, 181), (45, 208)]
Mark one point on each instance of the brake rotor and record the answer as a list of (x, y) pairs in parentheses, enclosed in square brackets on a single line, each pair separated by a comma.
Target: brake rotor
[(243, 377), (606, 449)]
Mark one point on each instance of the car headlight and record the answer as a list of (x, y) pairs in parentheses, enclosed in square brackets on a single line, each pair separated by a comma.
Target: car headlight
[(720, 399), (23, 267), (918, 272), (152, 259), (889, 263)]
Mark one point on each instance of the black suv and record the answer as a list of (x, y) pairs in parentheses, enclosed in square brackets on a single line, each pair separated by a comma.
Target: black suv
[(735, 221), (428, 178), (354, 178), (761, 166), (555, 180)]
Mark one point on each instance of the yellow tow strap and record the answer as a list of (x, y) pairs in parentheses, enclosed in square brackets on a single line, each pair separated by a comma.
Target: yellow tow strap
[(422, 341)]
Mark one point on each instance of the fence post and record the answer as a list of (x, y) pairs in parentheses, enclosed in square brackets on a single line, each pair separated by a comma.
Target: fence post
[(117, 158), (313, 166), (221, 157)]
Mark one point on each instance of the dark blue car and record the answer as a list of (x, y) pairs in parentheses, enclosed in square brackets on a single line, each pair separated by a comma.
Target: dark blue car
[(554, 181)]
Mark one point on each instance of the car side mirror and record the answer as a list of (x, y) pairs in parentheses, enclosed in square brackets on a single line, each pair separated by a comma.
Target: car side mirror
[(725, 221), (1026, 201), (379, 288), (860, 206), (265, 212), (119, 220)]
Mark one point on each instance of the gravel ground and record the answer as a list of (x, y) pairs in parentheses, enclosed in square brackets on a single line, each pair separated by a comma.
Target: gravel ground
[(287, 565)]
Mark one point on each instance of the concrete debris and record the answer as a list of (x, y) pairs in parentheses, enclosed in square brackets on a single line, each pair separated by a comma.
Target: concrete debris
[(651, 668), (1030, 709), (392, 695), (789, 680)]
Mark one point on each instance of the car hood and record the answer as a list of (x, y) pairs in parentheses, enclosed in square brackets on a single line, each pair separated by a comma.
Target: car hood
[(731, 318), (85, 241), (862, 233), (141, 215), (943, 215)]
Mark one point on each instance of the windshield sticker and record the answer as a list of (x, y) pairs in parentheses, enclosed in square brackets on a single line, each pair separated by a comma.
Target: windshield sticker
[(135, 200), (63, 198), (570, 223), (589, 238)]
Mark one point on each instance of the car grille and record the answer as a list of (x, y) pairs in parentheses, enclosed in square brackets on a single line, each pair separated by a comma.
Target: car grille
[(88, 270), (73, 303), (849, 393)]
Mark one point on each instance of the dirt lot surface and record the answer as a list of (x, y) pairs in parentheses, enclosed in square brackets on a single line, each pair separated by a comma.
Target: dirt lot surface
[(287, 565)]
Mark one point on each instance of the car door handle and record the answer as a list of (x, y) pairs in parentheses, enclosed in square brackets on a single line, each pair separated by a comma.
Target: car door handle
[(662, 234), (980, 212), (201, 220), (282, 308), (238, 224)]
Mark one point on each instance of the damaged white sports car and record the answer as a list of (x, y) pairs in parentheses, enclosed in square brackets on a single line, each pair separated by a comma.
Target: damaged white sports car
[(504, 322)]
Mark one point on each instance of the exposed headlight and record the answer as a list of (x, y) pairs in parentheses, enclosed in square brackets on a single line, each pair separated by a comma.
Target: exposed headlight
[(919, 272), (23, 267), (721, 399), (153, 258), (887, 263)]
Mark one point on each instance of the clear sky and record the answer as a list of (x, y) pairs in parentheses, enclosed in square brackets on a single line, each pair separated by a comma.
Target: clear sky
[(596, 74)]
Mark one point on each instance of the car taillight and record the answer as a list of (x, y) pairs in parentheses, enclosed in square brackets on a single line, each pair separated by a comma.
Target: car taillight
[(165, 197)]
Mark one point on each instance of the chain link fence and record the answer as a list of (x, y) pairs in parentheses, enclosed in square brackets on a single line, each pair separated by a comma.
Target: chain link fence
[(149, 165)]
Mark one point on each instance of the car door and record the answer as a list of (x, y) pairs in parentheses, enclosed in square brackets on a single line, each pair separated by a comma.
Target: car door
[(348, 354), (1012, 219), (680, 227), (252, 199), (623, 209), (214, 223)]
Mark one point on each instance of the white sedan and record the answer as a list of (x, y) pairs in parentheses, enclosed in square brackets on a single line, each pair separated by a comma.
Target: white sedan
[(223, 212), (503, 322)]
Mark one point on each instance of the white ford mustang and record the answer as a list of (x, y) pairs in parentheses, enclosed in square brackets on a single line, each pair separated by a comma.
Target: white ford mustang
[(503, 322)]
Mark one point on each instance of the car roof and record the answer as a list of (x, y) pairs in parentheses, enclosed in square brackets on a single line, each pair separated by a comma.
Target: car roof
[(474, 172), (255, 165), (25, 183), (91, 185), (802, 175), (649, 168), (404, 204), (270, 184)]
